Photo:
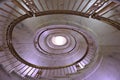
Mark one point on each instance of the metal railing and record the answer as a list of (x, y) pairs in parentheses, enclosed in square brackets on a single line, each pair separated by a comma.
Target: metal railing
[(99, 9)]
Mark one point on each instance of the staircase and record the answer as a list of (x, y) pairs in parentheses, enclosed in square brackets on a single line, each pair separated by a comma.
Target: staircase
[(91, 28)]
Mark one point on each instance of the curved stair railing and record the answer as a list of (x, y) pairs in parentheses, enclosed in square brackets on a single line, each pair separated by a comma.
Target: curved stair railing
[(22, 9)]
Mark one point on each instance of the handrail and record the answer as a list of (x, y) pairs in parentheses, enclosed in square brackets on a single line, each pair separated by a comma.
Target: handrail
[(31, 9)]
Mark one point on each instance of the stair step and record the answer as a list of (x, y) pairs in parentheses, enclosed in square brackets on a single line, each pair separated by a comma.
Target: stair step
[(15, 76), (4, 75)]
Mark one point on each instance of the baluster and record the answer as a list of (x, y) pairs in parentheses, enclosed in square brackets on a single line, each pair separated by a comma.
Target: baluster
[(79, 5), (57, 4), (110, 10), (85, 5), (24, 70), (106, 7), (4, 55), (47, 72), (96, 5), (63, 4), (74, 4), (12, 8), (38, 74), (10, 64), (46, 4), (21, 68), (68, 4), (83, 64), (41, 5), (80, 65), (64, 71), (29, 71), (58, 72), (31, 5), (4, 16), (74, 68), (91, 6), (35, 5), (33, 72), (52, 3), (7, 60), (8, 12), (71, 71), (18, 4), (14, 67), (68, 71)]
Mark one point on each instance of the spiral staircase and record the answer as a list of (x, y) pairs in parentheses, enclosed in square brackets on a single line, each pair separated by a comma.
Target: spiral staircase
[(59, 40)]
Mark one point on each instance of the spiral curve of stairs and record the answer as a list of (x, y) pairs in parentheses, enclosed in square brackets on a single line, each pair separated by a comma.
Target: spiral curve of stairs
[(87, 31)]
